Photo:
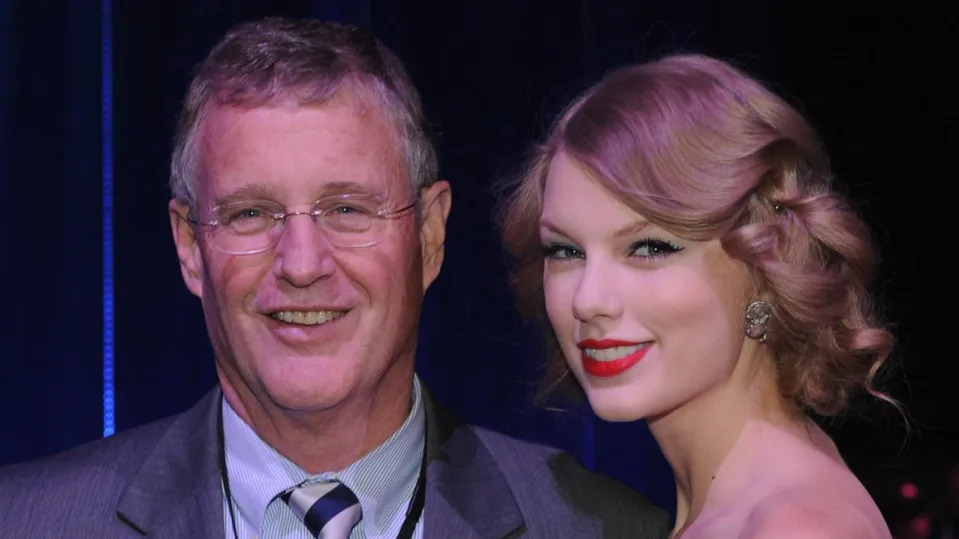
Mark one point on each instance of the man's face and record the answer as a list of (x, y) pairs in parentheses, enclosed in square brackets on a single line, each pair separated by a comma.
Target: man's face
[(306, 327)]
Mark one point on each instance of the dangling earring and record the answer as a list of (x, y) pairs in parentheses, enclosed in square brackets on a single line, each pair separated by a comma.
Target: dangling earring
[(758, 315)]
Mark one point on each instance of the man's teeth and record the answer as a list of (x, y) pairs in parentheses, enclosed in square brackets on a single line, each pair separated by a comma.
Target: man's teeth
[(610, 354), (307, 318)]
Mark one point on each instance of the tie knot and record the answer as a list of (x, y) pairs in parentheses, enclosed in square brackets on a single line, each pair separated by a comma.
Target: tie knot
[(329, 509)]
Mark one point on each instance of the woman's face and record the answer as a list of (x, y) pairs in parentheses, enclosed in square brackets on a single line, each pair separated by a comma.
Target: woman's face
[(647, 321)]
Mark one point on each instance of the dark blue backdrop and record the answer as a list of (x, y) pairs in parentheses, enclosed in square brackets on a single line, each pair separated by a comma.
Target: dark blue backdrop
[(492, 75)]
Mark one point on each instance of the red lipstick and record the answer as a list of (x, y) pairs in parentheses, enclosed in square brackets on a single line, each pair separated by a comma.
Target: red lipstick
[(613, 367)]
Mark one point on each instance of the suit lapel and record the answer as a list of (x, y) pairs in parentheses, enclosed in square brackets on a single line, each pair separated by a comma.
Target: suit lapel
[(467, 494), (177, 491)]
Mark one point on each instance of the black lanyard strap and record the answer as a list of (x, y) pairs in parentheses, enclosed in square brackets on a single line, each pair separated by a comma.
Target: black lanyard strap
[(415, 508)]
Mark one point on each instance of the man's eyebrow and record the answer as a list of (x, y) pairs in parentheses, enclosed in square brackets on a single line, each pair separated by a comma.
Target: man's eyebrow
[(258, 191), (254, 191), (350, 188)]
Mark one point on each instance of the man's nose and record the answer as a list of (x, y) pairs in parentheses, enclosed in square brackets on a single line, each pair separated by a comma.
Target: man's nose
[(303, 253)]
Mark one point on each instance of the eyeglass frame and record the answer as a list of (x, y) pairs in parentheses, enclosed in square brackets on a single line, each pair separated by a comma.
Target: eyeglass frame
[(314, 213)]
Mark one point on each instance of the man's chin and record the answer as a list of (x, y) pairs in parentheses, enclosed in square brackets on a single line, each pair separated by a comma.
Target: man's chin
[(291, 381), (317, 385)]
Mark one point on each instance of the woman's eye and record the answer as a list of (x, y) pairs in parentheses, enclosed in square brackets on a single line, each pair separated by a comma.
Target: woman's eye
[(653, 248), (561, 252)]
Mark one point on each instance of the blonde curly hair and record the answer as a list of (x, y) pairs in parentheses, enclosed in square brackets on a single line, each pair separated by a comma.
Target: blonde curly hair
[(704, 151)]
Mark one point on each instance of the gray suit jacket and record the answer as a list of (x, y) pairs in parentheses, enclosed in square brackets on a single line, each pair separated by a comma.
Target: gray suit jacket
[(162, 480)]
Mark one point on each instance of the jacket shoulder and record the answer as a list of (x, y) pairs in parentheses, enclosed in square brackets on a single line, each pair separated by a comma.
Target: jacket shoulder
[(82, 484), (97, 460)]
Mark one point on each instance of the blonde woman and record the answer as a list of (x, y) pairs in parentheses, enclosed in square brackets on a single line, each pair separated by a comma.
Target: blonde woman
[(680, 230)]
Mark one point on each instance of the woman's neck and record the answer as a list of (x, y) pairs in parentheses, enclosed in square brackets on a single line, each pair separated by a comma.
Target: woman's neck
[(695, 440), (697, 436)]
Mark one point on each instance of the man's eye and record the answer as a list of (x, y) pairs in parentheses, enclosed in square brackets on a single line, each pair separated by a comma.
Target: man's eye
[(340, 210), (244, 213), (348, 209), (248, 213)]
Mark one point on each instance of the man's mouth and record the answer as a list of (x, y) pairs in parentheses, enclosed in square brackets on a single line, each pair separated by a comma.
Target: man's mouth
[(306, 318)]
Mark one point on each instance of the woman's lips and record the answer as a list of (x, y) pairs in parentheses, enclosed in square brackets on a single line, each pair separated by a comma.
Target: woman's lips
[(608, 357)]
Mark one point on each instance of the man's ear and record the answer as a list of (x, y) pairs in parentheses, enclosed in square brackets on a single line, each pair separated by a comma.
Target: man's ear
[(436, 208), (187, 248)]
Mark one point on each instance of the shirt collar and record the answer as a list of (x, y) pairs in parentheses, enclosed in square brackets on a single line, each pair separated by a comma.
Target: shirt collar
[(383, 480)]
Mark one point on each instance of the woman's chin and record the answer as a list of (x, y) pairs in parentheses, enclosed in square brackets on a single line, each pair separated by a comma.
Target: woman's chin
[(616, 412)]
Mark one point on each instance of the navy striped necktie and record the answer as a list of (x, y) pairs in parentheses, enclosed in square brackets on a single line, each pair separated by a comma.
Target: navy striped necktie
[(329, 510)]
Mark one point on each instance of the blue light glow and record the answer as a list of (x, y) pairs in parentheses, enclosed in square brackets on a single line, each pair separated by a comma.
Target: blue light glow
[(106, 88)]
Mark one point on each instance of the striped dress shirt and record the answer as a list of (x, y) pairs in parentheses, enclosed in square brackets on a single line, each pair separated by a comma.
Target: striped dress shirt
[(383, 480)]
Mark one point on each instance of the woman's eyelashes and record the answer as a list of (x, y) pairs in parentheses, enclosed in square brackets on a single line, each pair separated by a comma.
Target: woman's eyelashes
[(646, 249), (652, 248), (561, 251)]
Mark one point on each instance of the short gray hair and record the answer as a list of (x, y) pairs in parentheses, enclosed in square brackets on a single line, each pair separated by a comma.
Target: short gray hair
[(307, 61)]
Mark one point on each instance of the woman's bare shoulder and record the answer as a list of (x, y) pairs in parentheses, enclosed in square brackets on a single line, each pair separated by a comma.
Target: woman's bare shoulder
[(813, 511)]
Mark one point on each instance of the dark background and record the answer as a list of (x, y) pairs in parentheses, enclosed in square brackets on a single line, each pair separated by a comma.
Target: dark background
[(80, 100)]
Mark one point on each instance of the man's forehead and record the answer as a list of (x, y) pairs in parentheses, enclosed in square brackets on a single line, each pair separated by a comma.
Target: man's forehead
[(240, 157), (360, 97), (221, 120)]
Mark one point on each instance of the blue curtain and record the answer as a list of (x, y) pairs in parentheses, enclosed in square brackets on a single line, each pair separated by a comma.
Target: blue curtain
[(50, 166)]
